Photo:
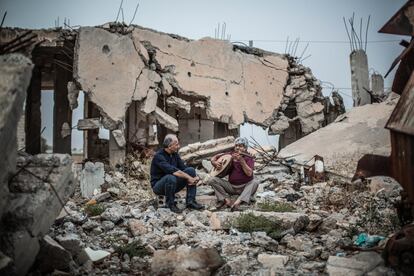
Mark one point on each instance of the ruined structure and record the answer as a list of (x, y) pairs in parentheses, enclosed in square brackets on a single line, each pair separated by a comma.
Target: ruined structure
[(33, 189), (141, 84)]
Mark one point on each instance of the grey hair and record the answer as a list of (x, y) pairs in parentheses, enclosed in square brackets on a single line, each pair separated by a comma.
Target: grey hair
[(242, 141), (168, 139)]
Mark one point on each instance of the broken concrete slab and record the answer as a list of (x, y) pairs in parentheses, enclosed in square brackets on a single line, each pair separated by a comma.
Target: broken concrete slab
[(92, 255), (359, 264), (195, 153), (342, 143), (15, 74), (90, 123), (186, 261), (150, 102), (91, 178), (117, 66), (71, 242), (166, 120), (166, 87), (273, 261), (287, 220), (177, 103), (52, 256), (119, 137)]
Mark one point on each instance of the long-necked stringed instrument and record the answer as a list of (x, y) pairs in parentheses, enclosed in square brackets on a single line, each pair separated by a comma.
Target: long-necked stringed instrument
[(225, 160)]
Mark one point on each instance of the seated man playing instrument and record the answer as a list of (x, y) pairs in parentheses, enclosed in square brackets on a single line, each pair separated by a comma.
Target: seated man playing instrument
[(169, 175), (241, 180)]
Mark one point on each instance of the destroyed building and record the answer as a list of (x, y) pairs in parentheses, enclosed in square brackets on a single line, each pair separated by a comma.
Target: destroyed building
[(145, 83)]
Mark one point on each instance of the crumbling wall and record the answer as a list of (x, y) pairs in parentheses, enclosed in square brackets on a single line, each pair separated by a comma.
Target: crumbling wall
[(33, 189), (230, 83)]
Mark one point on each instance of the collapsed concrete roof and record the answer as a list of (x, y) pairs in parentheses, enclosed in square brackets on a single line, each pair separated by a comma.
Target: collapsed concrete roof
[(237, 85), (342, 143)]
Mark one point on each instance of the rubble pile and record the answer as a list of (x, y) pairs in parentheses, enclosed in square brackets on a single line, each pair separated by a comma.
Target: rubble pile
[(124, 230)]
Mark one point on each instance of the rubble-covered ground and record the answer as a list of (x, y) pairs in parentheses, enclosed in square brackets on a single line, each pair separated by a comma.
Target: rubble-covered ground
[(290, 229)]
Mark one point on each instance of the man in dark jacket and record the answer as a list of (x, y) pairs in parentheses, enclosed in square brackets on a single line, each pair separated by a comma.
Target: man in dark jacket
[(170, 175)]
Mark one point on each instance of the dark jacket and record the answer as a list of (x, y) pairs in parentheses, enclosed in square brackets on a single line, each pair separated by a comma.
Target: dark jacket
[(164, 163)]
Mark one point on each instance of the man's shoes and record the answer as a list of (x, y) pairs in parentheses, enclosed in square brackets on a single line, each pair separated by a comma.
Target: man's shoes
[(175, 209), (194, 205), (220, 204)]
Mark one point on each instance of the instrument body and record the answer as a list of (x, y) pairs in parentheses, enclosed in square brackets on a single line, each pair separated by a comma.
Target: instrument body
[(226, 161)]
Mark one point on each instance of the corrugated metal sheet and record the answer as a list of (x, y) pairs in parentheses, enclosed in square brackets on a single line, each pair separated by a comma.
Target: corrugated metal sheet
[(401, 23), (402, 118), (406, 67)]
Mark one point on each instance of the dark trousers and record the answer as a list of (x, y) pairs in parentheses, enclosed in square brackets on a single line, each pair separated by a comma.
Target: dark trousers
[(170, 184)]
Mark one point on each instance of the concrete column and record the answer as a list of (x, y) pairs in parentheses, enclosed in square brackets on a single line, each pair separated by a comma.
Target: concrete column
[(377, 84), (359, 77), (33, 118), (62, 112), (116, 153)]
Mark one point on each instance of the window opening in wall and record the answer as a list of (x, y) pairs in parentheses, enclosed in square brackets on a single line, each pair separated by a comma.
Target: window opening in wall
[(46, 110)]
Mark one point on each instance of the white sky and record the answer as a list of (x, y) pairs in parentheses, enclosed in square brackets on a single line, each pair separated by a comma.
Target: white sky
[(266, 22)]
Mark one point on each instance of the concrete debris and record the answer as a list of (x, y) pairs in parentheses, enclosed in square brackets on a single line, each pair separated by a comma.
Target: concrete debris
[(52, 256), (186, 261), (217, 75), (90, 123), (166, 120), (280, 126), (177, 103), (5, 262), (150, 102), (15, 73), (71, 242), (92, 255), (117, 66), (359, 264), (195, 153), (119, 137), (344, 142), (91, 178), (274, 262), (73, 93)]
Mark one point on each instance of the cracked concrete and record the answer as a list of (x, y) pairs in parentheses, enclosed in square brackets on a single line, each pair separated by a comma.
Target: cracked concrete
[(232, 84)]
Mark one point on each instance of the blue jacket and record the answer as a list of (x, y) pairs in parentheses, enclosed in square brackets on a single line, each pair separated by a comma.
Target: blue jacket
[(164, 163)]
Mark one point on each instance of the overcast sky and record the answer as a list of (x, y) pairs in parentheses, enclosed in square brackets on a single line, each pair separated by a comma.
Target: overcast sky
[(268, 23)]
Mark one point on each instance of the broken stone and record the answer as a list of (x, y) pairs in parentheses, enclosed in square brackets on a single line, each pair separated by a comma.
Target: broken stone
[(150, 102), (360, 124), (73, 93), (113, 214), (117, 65), (275, 262), (166, 120), (66, 130), (280, 126), (186, 261), (89, 254), (90, 123), (71, 242), (177, 103), (359, 264), (91, 178), (167, 88), (119, 137), (195, 153), (52, 256), (207, 165)]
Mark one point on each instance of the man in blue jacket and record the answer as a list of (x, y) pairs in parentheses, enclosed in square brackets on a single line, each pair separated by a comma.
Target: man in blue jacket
[(170, 175)]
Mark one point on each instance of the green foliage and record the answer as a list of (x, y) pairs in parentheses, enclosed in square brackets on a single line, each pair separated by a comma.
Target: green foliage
[(94, 210), (272, 206), (250, 223), (132, 249)]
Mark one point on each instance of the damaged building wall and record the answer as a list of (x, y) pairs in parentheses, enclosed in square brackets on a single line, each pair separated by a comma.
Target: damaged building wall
[(32, 188), (192, 83), (345, 141)]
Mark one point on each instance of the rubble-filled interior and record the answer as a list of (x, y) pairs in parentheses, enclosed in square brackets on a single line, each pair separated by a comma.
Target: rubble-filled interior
[(323, 205)]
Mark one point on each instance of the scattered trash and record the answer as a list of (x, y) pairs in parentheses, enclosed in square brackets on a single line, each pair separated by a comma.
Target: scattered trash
[(365, 240)]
